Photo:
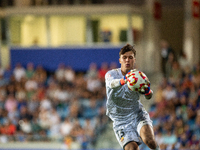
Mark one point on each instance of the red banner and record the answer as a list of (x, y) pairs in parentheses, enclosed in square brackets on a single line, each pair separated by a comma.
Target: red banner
[(195, 9), (157, 10)]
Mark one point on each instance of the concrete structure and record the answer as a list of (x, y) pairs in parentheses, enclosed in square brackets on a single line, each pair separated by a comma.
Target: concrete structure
[(161, 20)]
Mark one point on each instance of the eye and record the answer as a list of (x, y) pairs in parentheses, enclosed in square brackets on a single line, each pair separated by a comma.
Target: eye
[(131, 57)]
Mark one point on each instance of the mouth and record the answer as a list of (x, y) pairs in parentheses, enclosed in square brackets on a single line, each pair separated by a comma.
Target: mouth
[(127, 65)]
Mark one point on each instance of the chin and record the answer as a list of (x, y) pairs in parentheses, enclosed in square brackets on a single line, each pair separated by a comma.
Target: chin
[(129, 68)]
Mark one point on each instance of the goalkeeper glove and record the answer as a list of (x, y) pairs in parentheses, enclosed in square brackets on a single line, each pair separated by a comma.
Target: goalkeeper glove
[(145, 89)]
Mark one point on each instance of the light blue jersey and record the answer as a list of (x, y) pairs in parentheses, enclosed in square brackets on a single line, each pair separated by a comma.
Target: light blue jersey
[(122, 103), (124, 109)]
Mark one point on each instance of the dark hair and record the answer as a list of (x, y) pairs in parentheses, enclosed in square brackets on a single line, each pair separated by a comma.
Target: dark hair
[(127, 48)]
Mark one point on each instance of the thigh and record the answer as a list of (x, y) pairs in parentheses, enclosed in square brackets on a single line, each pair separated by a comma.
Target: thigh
[(142, 120), (146, 132)]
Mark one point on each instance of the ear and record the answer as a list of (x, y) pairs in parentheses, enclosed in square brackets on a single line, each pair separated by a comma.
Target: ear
[(119, 60)]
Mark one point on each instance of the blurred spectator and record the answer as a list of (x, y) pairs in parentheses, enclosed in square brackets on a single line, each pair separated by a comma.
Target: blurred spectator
[(102, 71), (45, 104), (65, 127), (3, 81), (91, 109), (33, 104), (196, 69), (194, 143), (40, 75), (69, 74), (93, 84), (2, 100), (60, 72), (169, 64), (25, 114), (176, 73), (158, 94), (25, 126), (92, 72), (159, 137), (74, 109), (54, 131), (41, 92), (44, 119), (19, 72), (8, 128), (31, 84), (169, 139), (165, 51), (11, 103), (169, 93), (61, 94), (30, 70), (182, 60)]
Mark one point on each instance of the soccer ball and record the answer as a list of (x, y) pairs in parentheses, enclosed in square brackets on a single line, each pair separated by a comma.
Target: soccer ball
[(136, 79)]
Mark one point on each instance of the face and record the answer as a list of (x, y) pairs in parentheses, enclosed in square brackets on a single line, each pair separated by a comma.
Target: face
[(127, 61)]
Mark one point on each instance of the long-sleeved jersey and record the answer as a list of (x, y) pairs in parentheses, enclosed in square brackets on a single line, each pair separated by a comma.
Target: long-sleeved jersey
[(123, 105)]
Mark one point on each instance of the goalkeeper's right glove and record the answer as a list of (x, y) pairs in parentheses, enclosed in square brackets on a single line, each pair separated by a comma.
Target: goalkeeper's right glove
[(123, 80)]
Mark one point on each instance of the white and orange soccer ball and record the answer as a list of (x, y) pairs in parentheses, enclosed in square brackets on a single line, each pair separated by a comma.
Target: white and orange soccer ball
[(136, 80)]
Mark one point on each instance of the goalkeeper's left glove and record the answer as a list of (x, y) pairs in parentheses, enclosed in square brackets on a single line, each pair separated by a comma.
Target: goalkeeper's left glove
[(145, 89)]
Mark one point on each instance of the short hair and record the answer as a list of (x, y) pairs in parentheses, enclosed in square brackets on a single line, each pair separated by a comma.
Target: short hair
[(127, 48)]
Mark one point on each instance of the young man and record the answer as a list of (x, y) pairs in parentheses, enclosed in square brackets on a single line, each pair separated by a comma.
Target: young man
[(131, 122)]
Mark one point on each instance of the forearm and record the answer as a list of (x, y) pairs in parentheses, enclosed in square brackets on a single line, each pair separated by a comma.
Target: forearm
[(115, 83)]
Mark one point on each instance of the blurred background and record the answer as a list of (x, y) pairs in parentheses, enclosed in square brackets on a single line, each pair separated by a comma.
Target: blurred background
[(54, 55)]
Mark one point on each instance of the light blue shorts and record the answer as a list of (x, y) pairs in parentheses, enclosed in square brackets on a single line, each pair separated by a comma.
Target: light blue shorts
[(130, 131)]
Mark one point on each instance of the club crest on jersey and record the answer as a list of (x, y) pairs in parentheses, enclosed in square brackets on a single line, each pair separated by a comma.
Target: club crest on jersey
[(108, 75), (122, 139)]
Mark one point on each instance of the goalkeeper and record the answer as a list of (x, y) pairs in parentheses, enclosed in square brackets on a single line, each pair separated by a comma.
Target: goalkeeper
[(131, 122)]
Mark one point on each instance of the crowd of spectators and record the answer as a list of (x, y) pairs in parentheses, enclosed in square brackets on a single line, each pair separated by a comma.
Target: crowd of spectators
[(64, 105), (176, 111)]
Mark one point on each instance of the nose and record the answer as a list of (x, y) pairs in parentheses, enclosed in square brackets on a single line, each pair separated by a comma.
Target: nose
[(127, 59)]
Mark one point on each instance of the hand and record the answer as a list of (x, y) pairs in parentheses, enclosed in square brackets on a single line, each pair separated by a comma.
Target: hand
[(145, 89), (124, 79)]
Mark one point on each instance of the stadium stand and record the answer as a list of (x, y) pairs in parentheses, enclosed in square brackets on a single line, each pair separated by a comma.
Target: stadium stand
[(38, 106)]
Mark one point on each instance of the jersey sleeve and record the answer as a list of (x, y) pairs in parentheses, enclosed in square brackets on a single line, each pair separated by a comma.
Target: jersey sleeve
[(110, 80)]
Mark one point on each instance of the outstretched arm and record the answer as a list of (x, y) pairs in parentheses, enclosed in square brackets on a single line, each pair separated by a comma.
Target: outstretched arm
[(114, 83)]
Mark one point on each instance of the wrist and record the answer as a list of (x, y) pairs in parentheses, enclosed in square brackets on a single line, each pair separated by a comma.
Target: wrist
[(122, 81), (150, 91)]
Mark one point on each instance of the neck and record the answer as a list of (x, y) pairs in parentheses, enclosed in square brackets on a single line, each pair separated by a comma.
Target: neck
[(124, 72)]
